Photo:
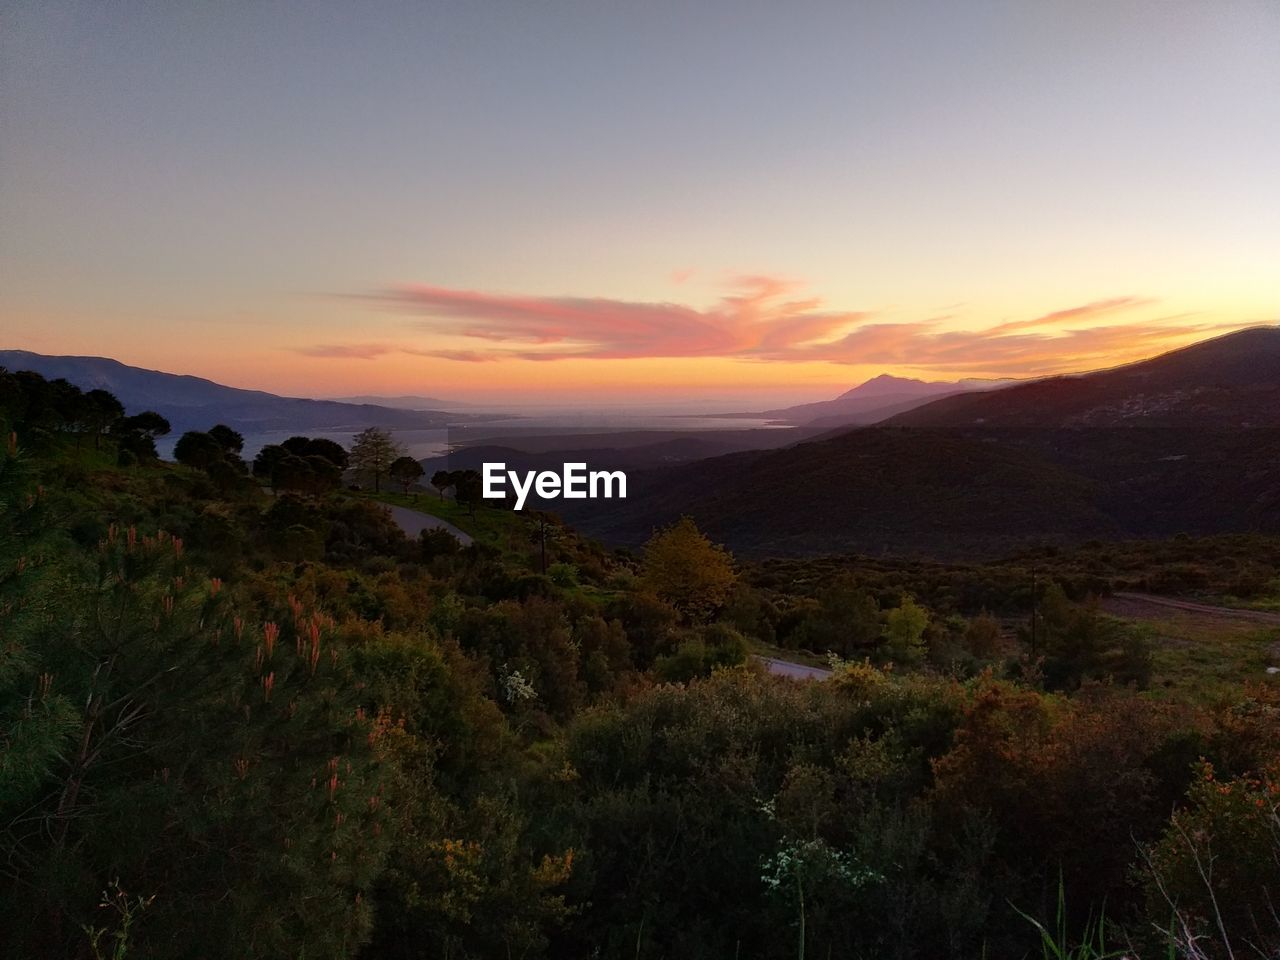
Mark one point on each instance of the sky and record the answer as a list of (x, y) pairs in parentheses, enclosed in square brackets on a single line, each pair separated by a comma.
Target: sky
[(612, 202)]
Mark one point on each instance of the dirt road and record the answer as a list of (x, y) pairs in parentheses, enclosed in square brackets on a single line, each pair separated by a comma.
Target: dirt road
[(1145, 605)]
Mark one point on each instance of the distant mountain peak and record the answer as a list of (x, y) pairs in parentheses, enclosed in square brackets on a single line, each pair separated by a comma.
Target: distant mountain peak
[(886, 384)]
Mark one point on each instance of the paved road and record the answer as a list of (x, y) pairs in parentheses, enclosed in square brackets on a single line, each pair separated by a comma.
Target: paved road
[(413, 522), (1257, 616), (796, 671)]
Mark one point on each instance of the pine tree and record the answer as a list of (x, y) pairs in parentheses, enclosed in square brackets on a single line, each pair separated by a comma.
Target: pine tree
[(373, 450)]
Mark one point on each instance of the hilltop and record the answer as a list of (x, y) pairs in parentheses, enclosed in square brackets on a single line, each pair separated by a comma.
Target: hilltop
[(1232, 381)]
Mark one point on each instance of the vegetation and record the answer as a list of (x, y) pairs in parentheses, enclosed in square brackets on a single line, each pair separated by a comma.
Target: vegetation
[(373, 452), (241, 725), (405, 471)]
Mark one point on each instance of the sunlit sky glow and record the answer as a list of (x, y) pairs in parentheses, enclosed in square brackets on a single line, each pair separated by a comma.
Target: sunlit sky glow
[(618, 201)]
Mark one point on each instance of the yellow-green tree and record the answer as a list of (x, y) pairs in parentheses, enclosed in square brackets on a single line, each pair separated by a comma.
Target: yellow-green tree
[(688, 571), (904, 631)]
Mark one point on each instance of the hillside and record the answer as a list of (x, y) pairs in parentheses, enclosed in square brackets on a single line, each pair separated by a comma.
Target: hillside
[(1229, 382), (1036, 462), (872, 490), (213, 694), (195, 403)]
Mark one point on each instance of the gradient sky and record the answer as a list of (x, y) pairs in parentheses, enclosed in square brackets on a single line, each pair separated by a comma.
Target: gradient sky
[(621, 200)]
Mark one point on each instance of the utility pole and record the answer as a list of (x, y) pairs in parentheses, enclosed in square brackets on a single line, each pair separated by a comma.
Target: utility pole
[(1033, 611)]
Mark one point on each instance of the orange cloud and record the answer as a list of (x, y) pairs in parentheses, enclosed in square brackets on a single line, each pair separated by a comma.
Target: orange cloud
[(922, 346), (349, 351), (753, 319), (762, 319), (1074, 314)]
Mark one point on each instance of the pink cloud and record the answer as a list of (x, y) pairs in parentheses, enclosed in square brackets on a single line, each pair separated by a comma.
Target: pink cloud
[(756, 316), (763, 318)]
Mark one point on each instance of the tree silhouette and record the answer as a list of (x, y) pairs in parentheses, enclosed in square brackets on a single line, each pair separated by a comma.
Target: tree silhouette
[(467, 489), (197, 449), (405, 471), (373, 450), (102, 411), (231, 441), (442, 480)]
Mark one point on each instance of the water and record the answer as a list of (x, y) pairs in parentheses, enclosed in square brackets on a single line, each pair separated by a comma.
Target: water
[(434, 442)]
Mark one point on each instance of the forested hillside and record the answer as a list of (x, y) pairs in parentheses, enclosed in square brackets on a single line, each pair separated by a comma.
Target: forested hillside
[(241, 715), (1188, 442)]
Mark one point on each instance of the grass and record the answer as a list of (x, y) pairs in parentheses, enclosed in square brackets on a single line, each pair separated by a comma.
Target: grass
[(1199, 657), (488, 525)]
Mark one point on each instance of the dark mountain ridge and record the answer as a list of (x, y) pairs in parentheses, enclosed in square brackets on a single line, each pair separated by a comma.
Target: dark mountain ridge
[(196, 403), (1185, 442), (1231, 381)]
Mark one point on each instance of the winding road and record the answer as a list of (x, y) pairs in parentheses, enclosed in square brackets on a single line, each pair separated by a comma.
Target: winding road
[(413, 522), (794, 671)]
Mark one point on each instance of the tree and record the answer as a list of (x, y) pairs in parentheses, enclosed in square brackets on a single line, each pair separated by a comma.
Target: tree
[(687, 570), (468, 489), (317, 447), (148, 422), (544, 531), (405, 471), (230, 441), (982, 637), (325, 474), (136, 436), (197, 449), (331, 450), (846, 621), (373, 450), (264, 464), (102, 411), (442, 480), (291, 472), (904, 631)]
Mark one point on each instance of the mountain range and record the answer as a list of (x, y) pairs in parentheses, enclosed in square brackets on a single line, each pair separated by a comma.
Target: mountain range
[(878, 399), (193, 403), (1185, 442)]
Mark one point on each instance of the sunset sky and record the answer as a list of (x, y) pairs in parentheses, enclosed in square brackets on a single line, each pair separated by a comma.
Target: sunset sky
[(553, 200)]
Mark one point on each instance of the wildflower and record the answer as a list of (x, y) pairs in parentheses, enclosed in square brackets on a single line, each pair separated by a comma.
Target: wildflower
[(270, 632)]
